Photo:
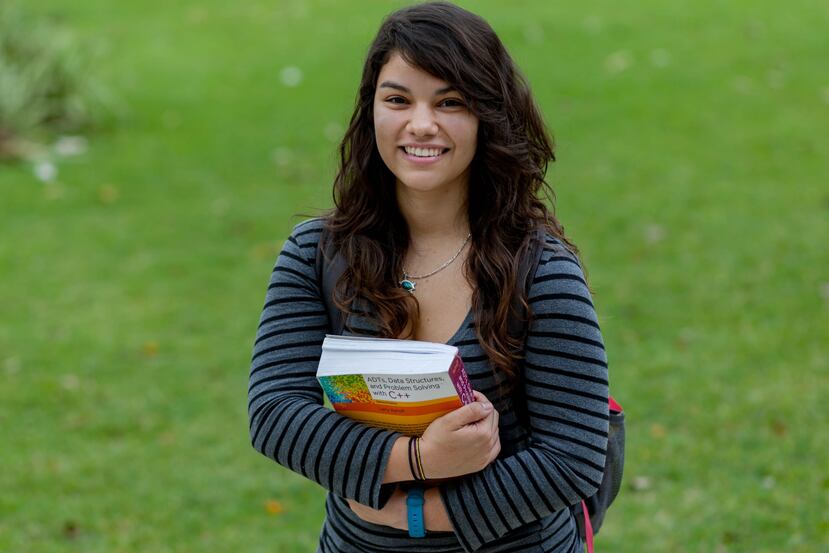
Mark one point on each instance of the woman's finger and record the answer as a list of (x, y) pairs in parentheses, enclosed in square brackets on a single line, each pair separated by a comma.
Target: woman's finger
[(495, 419), (479, 396)]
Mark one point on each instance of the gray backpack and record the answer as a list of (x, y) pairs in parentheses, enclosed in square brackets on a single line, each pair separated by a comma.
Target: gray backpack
[(589, 513)]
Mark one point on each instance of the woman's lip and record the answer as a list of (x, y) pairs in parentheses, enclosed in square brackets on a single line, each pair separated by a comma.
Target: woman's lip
[(423, 160)]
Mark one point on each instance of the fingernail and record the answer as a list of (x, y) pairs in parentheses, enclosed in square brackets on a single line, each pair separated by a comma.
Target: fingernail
[(488, 406)]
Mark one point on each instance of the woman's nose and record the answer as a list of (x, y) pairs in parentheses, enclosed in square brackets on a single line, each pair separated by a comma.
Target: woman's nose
[(423, 122)]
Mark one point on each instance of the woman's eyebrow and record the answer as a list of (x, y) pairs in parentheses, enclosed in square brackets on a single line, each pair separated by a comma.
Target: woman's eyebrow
[(401, 88)]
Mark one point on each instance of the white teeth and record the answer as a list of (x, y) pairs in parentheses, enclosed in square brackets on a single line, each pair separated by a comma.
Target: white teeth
[(422, 152)]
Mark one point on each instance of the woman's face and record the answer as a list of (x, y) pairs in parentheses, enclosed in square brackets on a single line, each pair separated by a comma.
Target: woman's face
[(425, 133)]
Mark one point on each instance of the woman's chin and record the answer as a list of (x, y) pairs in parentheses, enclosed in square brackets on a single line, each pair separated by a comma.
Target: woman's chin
[(426, 185)]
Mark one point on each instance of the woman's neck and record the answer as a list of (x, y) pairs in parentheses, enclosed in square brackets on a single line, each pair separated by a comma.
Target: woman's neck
[(433, 216)]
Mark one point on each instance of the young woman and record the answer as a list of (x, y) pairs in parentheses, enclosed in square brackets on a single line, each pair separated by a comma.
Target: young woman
[(439, 196)]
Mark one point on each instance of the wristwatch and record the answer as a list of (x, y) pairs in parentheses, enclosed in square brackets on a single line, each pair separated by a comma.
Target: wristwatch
[(414, 508)]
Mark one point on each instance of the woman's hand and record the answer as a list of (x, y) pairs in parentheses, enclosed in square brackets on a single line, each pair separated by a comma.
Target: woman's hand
[(462, 441), (393, 514)]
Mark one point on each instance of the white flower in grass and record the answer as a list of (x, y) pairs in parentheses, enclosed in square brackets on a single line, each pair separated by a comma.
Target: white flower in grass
[(663, 519), (68, 146), (220, 206), (282, 156), (593, 24), (534, 33), (70, 382), (618, 61), (743, 84), (641, 483), (291, 76), (45, 171), (654, 233), (660, 57)]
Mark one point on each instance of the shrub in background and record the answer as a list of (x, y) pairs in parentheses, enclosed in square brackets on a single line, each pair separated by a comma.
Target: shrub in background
[(45, 85)]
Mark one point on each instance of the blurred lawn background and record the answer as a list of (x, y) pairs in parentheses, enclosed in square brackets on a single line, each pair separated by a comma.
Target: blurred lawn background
[(692, 172)]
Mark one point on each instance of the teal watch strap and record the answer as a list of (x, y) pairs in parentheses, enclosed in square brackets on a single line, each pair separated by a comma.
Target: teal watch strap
[(414, 508)]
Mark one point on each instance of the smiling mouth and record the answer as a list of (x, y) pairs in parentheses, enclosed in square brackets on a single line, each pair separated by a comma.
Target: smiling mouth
[(425, 153)]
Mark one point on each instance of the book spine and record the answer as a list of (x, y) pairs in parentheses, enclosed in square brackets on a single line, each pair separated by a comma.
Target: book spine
[(457, 373)]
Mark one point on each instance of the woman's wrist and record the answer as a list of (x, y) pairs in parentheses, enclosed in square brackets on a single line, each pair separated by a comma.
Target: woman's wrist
[(416, 459), (397, 468)]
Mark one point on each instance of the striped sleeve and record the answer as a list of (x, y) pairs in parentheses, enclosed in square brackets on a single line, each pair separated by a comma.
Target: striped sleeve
[(288, 422), (566, 384)]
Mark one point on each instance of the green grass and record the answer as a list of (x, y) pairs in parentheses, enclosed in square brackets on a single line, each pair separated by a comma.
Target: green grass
[(692, 172)]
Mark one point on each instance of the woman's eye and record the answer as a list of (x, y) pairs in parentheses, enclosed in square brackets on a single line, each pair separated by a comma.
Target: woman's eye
[(452, 103), (396, 100)]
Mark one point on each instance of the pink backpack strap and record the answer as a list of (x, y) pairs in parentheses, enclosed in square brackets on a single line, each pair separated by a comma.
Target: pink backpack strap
[(613, 405), (588, 528)]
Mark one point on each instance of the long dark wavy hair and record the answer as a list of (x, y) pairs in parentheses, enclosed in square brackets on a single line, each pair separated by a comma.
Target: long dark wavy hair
[(507, 179)]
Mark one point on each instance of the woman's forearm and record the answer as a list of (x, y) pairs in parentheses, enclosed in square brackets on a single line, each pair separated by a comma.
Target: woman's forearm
[(397, 468)]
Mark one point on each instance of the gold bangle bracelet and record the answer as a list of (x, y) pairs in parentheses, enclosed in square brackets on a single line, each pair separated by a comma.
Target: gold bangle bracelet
[(420, 460)]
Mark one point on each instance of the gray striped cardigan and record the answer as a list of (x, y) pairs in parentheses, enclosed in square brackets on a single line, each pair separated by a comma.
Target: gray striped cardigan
[(518, 503)]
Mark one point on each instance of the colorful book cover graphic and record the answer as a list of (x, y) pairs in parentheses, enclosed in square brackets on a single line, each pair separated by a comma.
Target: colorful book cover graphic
[(347, 388), (406, 404)]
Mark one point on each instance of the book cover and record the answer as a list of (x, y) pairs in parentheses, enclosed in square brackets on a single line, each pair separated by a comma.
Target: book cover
[(401, 385)]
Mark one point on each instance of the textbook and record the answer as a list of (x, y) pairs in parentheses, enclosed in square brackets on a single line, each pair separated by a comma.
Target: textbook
[(401, 385)]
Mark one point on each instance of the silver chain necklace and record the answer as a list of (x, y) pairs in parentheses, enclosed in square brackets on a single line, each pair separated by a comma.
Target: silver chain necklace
[(408, 284)]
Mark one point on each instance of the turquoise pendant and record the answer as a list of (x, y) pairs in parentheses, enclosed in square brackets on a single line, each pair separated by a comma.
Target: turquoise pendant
[(407, 285)]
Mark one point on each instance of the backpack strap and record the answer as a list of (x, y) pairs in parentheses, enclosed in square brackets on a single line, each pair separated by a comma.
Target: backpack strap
[(588, 528), (518, 326), (330, 265)]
